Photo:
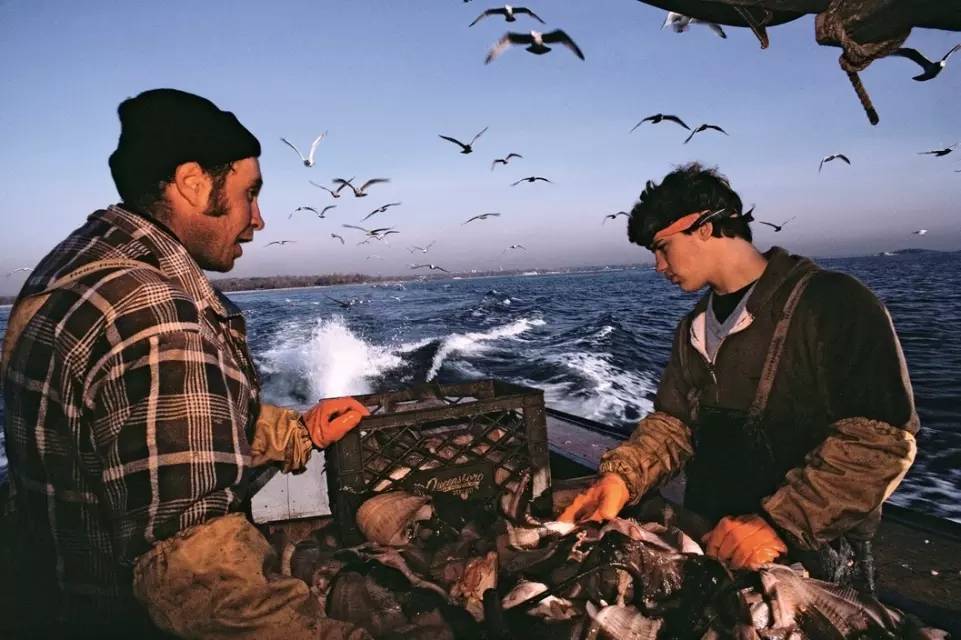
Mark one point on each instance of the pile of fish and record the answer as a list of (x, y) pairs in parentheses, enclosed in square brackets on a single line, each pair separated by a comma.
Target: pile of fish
[(439, 567)]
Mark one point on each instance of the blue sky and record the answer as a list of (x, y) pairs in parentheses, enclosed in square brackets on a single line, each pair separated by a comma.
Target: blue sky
[(386, 77)]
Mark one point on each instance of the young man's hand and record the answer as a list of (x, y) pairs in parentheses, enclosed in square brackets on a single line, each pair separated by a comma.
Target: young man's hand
[(744, 542), (602, 501), (329, 420)]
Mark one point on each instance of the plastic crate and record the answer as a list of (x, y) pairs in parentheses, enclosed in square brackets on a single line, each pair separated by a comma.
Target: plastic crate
[(476, 440)]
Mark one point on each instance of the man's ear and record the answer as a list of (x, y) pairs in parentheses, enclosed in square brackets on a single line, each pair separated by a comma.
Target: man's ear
[(192, 184), (705, 230)]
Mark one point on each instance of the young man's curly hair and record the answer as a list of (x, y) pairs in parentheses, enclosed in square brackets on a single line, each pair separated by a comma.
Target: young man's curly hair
[(688, 189)]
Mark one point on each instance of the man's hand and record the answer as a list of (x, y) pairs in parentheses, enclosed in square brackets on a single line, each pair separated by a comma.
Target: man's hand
[(329, 420), (744, 542), (602, 501)]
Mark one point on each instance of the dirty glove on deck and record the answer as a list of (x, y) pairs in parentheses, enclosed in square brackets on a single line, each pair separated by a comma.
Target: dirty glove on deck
[(329, 420), (280, 436)]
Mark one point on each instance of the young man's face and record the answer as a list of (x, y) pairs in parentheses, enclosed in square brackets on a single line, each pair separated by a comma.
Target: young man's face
[(681, 259), (231, 218)]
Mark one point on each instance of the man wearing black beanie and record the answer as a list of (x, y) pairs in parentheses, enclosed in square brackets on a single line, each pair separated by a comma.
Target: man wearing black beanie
[(134, 423)]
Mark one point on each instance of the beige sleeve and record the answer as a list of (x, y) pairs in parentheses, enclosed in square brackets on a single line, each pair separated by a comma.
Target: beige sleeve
[(658, 448), (280, 436), (842, 482)]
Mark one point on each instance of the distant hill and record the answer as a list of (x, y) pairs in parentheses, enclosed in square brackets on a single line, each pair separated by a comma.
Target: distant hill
[(912, 251)]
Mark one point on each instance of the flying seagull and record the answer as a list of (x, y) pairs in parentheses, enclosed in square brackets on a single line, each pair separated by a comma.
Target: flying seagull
[(422, 249), (482, 216), (833, 156), (660, 117), (530, 179), (776, 227), (535, 43), (939, 152), (705, 127), (280, 242), (931, 69), (465, 148), (334, 194), (432, 267), (344, 304), (613, 216), (508, 12), (381, 209), (514, 246), (679, 22), (339, 237), (505, 159), (362, 191), (920, 232), (319, 214), (373, 233), (309, 160), (19, 269)]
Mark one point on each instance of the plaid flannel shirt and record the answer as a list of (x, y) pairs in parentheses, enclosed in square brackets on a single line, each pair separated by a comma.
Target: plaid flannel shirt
[(130, 400)]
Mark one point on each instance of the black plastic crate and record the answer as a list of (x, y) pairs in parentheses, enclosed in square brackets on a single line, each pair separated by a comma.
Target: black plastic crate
[(476, 440)]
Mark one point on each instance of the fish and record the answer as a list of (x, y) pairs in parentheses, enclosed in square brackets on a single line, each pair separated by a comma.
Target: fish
[(392, 518)]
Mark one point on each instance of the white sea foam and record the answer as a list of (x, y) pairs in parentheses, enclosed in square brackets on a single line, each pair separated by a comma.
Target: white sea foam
[(475, 341)]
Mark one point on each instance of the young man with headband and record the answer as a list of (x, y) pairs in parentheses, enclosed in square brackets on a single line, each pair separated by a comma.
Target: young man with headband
[(786, 399)]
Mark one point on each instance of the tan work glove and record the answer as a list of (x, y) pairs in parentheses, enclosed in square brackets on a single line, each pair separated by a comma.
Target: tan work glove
[(329, 420), (744, 542), (602, 501), (280, 436)]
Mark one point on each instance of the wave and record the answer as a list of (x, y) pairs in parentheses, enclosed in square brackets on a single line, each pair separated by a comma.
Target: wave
[(474, 342)]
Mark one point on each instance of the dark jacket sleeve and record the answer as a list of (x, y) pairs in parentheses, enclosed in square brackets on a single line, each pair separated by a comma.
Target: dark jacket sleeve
[(661, 443), (869, 443)]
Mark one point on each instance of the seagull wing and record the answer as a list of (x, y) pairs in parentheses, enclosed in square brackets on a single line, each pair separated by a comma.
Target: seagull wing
[(375, 211), (353, 226), (678, 121), (716, 28), (788, 220), (953, 49), (372, 181), (564, 39), (291, 145), (454, 140), (536, 178), (489, 12), (514, 184), (506, 41), (770, 224), (688, 139), (313, 147), (320, 186), (912, 54), (328, 208), (479, 134), (821, 164), (434, 266), (419, 266), (529, 12), (841, 156), (715, 127), (496, 161), (512, 155), (334, 235)]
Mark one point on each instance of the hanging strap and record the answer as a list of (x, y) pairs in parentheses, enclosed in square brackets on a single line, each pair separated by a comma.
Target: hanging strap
[(776, 348), (27, 307)]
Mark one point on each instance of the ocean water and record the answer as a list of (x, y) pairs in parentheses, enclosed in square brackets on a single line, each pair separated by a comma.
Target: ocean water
[(594, 342)]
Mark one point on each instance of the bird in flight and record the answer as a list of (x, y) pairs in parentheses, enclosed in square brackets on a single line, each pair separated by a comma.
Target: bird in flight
[(833, 156), (705, 127), (280, 242), (505, 159), (514, 246), (660, 117), (530, 179), (482, 216), (776, 227), (381, 209), (535, 41), (309, 160), (362, 191), (432, 267), (508, 12), (679, 23), (339, 237), (334, 194), (930, 68), (465, 148), (344, 304), (319, 214), (421, 249), (613, 216), (920, 232), (939, 152), (19, 269), (373, 233)]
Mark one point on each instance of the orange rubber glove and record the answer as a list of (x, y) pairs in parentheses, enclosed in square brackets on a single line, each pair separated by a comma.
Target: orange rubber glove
[(744, 542), (602, 501), (329, 420)]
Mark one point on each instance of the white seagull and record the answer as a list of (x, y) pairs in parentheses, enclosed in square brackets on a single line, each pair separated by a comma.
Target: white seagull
[(535, 41), (482, 216), (679, 22), (432, 267), (309, 160), (362, 191), (920, 232), (422, 249), (19, 269), (508, 12)]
